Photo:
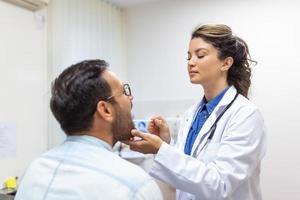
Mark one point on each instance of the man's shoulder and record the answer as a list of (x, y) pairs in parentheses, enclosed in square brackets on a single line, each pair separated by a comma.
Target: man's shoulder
[(128, 169), (104, 171), (97, 161), (142, 185)]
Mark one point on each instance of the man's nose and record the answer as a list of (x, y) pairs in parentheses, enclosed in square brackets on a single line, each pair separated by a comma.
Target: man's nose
[(131, 97)]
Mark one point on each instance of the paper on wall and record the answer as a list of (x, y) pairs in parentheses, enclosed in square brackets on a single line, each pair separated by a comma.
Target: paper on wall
[(7, 140)]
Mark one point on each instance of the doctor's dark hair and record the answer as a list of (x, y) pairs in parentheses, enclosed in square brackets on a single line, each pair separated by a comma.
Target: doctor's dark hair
[(220, 36), (75, 94)]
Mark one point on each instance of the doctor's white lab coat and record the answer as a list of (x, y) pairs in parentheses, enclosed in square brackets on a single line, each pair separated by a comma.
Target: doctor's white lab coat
[(227, 167)]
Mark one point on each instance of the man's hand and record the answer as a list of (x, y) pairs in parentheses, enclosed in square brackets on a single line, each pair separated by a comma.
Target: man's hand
[(149, 143), (158, 126)]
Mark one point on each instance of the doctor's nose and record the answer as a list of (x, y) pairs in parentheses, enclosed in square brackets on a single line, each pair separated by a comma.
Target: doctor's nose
[(191, 62)]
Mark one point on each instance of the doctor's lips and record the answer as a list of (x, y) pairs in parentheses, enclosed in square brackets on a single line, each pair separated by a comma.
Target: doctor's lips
[(191, 72)]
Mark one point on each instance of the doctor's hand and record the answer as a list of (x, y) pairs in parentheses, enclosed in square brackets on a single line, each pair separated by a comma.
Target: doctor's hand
[(148, 143), (158, 126)]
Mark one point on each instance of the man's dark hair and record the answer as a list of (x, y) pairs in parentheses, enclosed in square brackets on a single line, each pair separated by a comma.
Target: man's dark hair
[(75, 94)]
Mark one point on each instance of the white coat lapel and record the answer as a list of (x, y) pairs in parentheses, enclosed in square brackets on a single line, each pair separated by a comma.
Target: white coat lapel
[(190, 116), (204, 132)]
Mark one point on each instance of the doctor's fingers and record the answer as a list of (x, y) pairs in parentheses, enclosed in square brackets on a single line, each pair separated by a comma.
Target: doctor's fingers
[(158, 117), (144, 146), (151, 138), (152, 128), (161, 124), (144, 136), (139, 146), (132, 143), (151, 122), (155, 117), (135, 145)]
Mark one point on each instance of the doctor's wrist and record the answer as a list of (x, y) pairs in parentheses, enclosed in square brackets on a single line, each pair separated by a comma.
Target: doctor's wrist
[(158, 145), (166, 137)]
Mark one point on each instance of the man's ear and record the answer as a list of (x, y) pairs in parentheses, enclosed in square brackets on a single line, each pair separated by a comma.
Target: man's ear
[(105, 111), (227, 63)]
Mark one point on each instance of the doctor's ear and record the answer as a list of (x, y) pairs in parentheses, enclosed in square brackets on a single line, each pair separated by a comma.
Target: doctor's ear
[(227, 63), (105, 111)]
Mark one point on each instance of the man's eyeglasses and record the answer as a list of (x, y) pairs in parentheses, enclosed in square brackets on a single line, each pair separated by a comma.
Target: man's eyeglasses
[(126, 91)]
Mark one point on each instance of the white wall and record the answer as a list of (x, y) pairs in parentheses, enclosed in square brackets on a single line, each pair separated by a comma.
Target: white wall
[(80, 30), (158, 36), (22, 85)]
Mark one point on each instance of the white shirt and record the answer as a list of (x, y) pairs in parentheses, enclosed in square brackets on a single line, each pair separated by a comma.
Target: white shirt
[(85, 168), (227, 167)]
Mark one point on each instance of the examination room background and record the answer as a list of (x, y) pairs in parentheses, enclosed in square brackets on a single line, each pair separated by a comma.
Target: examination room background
[(146, 45)]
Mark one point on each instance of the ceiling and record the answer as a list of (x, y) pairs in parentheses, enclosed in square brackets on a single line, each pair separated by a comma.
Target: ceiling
[(130, 3)]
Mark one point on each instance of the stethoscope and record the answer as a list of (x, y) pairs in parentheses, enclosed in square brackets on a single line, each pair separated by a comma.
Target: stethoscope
[(214, 126)]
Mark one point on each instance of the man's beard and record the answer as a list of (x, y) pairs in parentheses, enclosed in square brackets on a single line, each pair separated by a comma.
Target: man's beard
[(122, 125)]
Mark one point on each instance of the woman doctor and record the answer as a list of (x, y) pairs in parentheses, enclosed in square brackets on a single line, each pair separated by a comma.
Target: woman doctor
[(221, 141)]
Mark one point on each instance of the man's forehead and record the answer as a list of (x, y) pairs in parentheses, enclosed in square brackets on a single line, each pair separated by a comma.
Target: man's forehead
[(112, 79)]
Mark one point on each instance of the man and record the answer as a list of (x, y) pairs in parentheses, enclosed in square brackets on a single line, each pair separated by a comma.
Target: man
[(94, 110)]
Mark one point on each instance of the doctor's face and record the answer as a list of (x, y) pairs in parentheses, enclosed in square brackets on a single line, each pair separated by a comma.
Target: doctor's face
[(204, 66)]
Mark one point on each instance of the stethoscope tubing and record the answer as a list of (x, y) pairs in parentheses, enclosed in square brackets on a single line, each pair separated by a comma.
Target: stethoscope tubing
[(214, 127)]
